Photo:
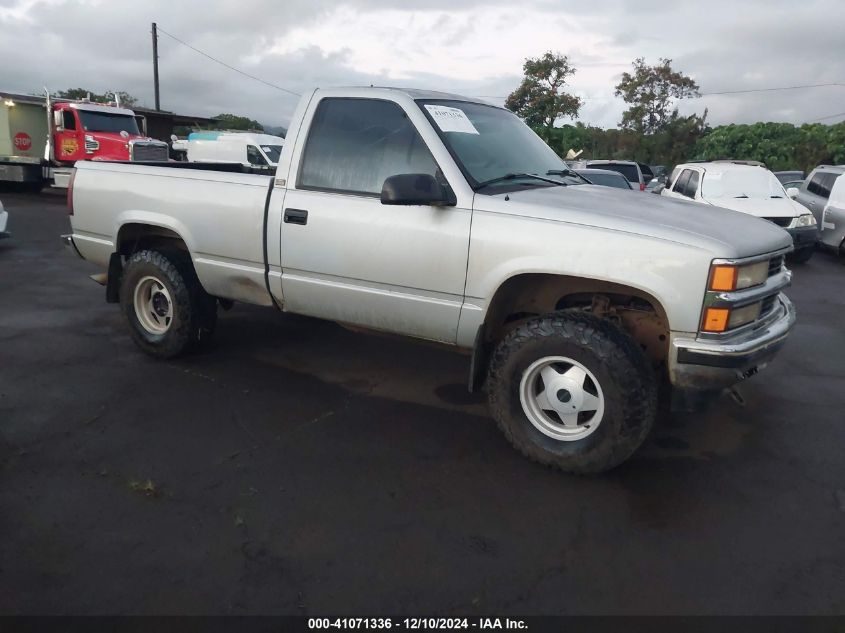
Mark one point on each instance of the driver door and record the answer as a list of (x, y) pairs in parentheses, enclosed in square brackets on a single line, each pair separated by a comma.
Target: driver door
[(349, 258)]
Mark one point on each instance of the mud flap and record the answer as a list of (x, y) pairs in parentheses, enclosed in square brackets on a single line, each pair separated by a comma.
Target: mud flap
[(114, 275)]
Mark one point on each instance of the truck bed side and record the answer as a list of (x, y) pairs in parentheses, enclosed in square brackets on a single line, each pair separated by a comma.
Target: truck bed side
[(219, 216)]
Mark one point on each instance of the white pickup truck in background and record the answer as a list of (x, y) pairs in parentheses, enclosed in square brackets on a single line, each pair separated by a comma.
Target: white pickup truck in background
[(437, 217)]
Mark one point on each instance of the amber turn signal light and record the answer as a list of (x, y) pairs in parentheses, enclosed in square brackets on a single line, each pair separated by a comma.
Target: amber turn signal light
[(723, 278), (716, 319)]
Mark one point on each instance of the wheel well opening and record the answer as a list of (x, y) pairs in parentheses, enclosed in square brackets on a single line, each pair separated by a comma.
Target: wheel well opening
[(135, 237), (636, 312)]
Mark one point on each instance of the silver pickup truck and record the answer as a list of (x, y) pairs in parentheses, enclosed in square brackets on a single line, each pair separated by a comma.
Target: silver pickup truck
[(437, 217)]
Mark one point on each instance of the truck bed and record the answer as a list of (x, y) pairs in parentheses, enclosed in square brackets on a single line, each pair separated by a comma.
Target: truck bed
[(218, 210)]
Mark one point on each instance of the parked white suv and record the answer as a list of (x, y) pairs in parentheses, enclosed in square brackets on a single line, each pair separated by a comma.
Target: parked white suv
[(4, 216), (833, 217), (748, 188)]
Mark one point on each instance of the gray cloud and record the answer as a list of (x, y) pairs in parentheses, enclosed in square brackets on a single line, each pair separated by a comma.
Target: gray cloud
[(726, 45)]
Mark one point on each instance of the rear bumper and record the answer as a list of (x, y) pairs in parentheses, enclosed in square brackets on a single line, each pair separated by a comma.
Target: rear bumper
[(67, 240), (803, 236), (707, 365)]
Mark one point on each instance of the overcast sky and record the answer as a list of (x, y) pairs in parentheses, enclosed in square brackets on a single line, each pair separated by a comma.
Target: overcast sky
[(472, 47)]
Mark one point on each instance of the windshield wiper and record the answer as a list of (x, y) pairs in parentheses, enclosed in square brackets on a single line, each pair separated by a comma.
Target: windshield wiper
[(567, 172), (742, 196), (781, 197), (507, 177)]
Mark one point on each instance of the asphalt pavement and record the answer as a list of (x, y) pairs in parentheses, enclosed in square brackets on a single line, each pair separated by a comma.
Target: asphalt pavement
[(298, 467)]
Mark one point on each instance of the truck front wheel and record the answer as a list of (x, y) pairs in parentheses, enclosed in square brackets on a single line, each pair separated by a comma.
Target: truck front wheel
[(572, 391), (167, 309)]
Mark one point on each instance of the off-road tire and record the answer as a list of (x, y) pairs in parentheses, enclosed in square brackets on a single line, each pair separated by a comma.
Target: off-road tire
[(622, 369), (194, 311)]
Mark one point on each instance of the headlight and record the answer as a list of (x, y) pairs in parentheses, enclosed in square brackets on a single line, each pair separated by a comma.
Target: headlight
[(807, 219), (725, 278), (722, 319)]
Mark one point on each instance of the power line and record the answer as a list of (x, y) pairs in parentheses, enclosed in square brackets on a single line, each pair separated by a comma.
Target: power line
[(230, 67), (825, 118), (737, 92)]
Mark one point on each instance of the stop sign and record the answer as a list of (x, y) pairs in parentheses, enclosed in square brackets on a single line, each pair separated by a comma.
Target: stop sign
[(23, 141)]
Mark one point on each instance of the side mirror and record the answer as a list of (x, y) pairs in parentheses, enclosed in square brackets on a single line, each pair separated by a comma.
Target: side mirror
[(658, 189), (416, 189), (793, 192)]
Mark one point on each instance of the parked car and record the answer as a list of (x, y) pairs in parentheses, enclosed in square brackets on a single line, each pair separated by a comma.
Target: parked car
[(438, 217), (749, 189), (832, 234), (815, 190), (638, 174), (605, 178), (792, 184), (789, 176), (4, 219), (656, 184)]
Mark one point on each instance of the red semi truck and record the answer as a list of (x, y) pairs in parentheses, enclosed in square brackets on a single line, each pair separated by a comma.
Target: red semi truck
[(41, 139)]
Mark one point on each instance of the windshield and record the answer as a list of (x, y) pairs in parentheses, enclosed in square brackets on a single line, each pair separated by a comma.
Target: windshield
[(273, 152), (104, 122), (489, 143), (753, 182)]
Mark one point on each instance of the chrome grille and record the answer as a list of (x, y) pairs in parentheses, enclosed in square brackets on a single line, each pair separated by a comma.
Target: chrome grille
[(780, 221), (148, 152)]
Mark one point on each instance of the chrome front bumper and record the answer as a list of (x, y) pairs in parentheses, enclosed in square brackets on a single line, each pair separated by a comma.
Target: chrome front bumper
[(709, 365)]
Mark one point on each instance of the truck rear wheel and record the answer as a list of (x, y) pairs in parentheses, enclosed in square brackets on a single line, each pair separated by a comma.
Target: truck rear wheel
[(167, 309), (572, 391)]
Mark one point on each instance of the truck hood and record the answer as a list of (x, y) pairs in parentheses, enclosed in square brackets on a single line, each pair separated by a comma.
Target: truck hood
[(723, 232), (761, 208)]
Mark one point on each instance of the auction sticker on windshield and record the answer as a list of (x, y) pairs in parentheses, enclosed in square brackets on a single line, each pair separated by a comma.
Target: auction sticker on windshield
[(451, 119)]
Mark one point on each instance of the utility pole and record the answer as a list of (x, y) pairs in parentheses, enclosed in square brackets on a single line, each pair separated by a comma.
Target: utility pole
[(155, 64)]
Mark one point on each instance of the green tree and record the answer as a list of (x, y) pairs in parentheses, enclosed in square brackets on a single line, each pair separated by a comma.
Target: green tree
[(650, 92), (540, 99), (780, 145), (126, 99), (234, 122)]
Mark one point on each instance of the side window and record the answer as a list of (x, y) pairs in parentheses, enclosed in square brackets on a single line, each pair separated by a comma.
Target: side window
[(355, 144), (68, 120), (672, 178), (254, 156), (692, 185), (815, 183), (681, 184), (827, 184)]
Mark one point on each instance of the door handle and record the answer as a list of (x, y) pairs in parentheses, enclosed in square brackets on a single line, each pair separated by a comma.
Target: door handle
[(296, 216)]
